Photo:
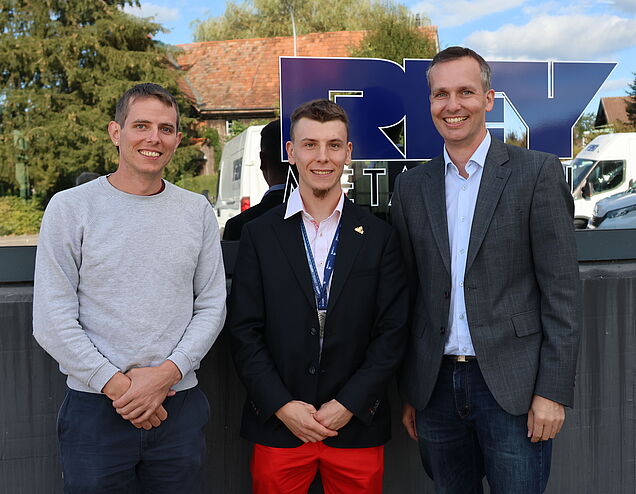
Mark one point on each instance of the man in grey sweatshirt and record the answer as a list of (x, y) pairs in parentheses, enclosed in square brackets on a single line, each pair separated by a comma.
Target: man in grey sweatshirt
[(129, 297)]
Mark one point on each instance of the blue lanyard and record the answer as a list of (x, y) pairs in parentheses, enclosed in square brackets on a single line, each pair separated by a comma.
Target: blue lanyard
[(320, 291)]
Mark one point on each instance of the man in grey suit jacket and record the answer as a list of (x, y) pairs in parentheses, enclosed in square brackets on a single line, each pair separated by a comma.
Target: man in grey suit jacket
[(487, 234)]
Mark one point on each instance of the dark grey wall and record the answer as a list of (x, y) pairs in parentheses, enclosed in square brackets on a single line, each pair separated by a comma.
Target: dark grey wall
[(595, 452)]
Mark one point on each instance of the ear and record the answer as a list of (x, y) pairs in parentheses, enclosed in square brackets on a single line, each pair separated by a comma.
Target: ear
[(289, 146), (349, 152), (179, 136), (114, 131), (490, 99)]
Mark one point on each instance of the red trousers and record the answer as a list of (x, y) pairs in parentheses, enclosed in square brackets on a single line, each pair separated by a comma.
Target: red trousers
[(291, 470)]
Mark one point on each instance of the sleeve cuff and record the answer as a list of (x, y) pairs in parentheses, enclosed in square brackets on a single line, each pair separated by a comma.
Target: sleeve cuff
[(102, 376), (182, 362)]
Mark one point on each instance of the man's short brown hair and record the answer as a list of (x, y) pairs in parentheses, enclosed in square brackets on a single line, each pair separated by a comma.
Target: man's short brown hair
[(145, 90), (455, 52), (320, 110)]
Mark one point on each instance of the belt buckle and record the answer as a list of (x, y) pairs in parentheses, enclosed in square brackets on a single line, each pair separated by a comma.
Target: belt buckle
[(462, 358)]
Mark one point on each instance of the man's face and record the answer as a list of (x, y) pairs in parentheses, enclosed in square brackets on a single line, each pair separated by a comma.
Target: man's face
[(320, 151), (148, 138), (459, 102)]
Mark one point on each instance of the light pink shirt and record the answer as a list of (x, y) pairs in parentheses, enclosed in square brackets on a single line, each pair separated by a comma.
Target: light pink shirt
[(321, 234)]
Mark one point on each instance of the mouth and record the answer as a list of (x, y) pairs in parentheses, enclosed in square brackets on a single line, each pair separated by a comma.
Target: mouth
[(322, 173), (455, 120), (149, 154)]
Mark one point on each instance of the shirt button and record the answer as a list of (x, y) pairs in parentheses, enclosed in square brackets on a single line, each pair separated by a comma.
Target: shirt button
[(461, 283), (464, 349), (463, 218), (463, 187), (461, 251), (461, 316)]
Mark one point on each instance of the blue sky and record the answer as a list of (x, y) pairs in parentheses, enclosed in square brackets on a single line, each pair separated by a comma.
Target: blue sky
[(580, 30)]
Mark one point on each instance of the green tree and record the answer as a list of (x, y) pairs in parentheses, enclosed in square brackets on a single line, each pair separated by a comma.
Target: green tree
[(268, 18), (631, 103), (395, 36), (583, 132), (63, 66)]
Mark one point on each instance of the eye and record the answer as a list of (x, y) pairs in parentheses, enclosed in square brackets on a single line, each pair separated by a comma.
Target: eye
[(335, 145), (309, 145), (439, 95), (467, 92), (166, 130), (140, 126)]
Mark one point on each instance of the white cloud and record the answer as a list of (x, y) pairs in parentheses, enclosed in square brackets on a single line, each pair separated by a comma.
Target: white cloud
[(626, 5), (574, 37), (458, 12), (614, 84), (158, 13)]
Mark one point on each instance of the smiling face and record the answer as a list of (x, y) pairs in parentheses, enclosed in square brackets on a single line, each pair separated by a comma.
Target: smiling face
[(147, 139), (459, 102), (320, 151)]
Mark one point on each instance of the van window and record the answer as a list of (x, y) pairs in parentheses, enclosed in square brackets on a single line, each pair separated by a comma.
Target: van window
[(236, 169), (580, 169), (607, 175)]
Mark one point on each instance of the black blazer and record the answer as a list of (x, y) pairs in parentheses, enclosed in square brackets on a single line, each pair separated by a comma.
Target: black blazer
[(234, 226), (273, 326)]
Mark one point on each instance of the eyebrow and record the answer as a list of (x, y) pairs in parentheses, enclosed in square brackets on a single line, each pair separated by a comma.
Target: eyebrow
[(141, 120)]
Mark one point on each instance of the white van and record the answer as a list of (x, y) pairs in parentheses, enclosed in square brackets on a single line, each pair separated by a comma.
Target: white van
[(241, 183), (605, 167)]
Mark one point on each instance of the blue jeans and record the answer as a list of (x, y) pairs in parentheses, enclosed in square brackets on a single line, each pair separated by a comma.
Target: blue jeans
[(103, 453), (464, 434)]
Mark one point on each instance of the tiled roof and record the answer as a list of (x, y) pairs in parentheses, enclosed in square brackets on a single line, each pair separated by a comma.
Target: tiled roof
[(611, 110), (242, 74)]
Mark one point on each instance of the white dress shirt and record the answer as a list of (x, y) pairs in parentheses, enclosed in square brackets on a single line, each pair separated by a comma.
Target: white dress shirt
[(321, 234), (461, 198)]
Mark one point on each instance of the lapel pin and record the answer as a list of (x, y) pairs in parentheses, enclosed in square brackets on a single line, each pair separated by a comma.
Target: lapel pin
[(359, 229)]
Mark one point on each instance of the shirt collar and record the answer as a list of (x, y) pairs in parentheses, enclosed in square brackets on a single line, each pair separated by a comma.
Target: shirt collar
[(295, 205), (478, 157)]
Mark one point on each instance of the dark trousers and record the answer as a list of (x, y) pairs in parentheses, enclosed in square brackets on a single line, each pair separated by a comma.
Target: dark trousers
[(103, 453), (464, 434)]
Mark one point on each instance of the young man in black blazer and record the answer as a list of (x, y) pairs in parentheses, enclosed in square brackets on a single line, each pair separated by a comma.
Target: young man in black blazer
[(316, 351)]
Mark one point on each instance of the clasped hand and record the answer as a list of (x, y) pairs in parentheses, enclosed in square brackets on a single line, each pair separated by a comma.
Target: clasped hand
[(139, 394), (311, 425)]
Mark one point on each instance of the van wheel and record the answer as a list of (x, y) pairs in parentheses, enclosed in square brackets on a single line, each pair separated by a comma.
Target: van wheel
[(580, 223)]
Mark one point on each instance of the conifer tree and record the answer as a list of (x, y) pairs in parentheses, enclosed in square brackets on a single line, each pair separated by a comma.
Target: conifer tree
[(63, 66), (631, 103)]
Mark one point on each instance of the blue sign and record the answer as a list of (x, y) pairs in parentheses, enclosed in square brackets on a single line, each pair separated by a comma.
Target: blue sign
[(546, 98)]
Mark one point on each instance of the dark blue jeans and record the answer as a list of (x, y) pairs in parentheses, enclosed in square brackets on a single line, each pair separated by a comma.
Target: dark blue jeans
[(464, 434), (103, 453)]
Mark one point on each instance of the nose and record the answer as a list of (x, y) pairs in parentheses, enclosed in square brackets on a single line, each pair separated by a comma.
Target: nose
[(322, 154), (453, 103), (153, 134)]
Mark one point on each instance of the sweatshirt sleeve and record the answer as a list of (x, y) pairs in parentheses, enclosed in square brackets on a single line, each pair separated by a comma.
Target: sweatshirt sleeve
[(56, 324), (209, 300)]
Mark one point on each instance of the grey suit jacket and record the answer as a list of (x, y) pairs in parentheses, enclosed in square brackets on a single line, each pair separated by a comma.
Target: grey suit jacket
[(521, 283)]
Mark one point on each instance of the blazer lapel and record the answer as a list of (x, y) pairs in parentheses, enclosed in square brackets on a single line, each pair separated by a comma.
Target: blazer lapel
[(348, 247), (290, 239), (434, 191), (493, 181)]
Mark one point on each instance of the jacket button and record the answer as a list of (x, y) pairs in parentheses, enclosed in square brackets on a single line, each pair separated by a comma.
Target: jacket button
[(442, 330), (312, 370), (446, 294), (313, 332)]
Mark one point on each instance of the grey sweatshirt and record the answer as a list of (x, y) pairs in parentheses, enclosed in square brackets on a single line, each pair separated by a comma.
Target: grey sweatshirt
[(125, 281)]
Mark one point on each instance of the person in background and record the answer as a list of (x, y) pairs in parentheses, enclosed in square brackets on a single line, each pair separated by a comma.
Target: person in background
[(275, 173)]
